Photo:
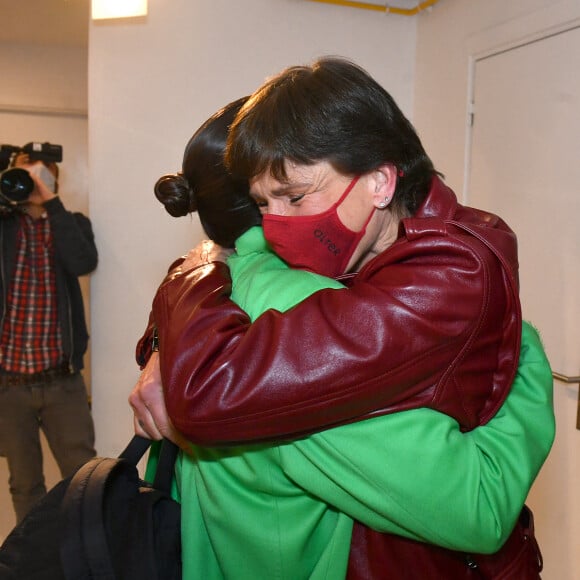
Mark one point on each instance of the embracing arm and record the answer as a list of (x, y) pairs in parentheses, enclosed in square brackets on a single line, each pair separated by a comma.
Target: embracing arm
[(416, 475), (333, 358)]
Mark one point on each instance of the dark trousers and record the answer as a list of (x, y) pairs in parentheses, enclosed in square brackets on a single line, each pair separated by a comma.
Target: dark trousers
[(60, 408)]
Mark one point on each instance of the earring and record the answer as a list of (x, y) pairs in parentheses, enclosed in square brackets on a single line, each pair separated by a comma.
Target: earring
[(383, 204)]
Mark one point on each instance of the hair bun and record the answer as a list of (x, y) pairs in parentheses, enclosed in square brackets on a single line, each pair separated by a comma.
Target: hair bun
[(175, 193)]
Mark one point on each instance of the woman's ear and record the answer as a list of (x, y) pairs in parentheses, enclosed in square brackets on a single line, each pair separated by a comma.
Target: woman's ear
[(384, 180)]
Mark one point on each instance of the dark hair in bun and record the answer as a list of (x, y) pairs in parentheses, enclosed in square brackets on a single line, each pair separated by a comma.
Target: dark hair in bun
[(174, 193), (223, 203)]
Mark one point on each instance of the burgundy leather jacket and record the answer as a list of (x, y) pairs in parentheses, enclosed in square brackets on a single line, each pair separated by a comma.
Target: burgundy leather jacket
[(433, 321)]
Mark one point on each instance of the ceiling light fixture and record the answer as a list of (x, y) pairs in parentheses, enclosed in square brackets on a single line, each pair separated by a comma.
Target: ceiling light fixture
[(103, 9)]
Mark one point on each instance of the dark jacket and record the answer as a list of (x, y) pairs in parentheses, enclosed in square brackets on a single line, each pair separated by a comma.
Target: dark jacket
[(75, 254), (433, 321)]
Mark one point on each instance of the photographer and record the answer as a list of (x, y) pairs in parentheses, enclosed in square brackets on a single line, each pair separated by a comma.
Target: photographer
[(43, 334)]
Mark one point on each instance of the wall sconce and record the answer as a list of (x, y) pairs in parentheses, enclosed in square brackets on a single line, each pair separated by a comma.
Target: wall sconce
[(101, 9)]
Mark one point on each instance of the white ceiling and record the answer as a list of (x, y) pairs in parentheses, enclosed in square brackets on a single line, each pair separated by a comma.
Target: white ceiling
[(64, 22)]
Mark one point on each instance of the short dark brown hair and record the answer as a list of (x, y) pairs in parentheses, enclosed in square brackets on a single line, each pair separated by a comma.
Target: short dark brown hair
[(330, 111)]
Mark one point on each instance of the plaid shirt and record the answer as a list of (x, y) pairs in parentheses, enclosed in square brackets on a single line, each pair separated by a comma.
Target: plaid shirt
[(31, 339)]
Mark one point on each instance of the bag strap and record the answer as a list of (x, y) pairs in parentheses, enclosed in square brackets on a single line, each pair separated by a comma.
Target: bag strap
[(166, 462), (84, 548), (83, 523), (166, 466), (135, 449)]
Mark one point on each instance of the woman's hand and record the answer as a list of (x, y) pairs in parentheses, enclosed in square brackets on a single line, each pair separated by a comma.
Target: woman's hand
[(150, 414)]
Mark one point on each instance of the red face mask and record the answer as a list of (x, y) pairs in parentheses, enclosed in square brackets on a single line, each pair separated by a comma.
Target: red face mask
[(320, 243)]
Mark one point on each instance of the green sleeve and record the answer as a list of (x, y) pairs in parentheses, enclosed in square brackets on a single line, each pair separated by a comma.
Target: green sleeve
[(415, 474)]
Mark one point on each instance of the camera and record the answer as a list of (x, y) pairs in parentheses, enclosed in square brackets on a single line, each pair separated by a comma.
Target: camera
[(47, 152), (16, 185)]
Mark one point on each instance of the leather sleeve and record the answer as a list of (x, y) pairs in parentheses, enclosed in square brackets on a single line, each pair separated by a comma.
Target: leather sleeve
[(413, 330), (144, 346)]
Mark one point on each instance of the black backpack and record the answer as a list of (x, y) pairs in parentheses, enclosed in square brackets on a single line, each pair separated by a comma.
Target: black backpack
[(103, 522)]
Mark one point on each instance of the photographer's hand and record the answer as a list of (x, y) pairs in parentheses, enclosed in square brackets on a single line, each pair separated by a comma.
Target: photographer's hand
[(41, 193)]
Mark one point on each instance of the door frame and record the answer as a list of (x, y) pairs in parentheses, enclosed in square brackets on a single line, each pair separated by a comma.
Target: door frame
[(473, 60)]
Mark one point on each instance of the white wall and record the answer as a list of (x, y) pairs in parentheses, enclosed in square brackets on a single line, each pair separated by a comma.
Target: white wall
[(152, 82), (43, 76)]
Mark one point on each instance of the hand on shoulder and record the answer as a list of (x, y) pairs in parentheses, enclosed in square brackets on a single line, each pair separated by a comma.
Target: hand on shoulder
[(205, 253)]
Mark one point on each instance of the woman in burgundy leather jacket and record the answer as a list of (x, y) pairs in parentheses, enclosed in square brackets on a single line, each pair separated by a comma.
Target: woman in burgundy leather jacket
[(345, 187), (432, 315)]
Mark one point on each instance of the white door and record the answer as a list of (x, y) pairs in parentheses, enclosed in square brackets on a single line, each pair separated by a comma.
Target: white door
[(525, 166)]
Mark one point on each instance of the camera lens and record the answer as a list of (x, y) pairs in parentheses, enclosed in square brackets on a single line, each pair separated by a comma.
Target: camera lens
[(16, 185)]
